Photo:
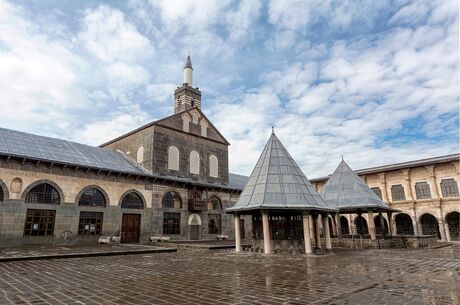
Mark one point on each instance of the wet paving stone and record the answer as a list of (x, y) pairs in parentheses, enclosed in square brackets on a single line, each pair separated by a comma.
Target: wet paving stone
[(209, 277)]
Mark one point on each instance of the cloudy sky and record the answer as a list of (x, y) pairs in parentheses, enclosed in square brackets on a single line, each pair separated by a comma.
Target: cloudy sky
[(375, 81)]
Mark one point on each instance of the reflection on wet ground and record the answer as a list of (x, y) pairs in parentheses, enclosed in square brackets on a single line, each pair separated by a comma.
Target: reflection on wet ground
[(210, 277)]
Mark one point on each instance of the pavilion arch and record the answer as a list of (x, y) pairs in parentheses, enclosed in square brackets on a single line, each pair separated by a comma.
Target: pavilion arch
[(404, 224), (452, 219), (429, 225), (361, 225), (88, 189), (172, 200), (3, 191), (378, 227), (344, 226), (31, 186), (132, 199)]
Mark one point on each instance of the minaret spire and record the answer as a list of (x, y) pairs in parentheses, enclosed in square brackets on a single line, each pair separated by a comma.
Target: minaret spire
[(185, 96), (188, 71)]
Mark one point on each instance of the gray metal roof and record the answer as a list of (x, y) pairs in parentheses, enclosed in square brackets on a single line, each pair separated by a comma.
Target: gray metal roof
[(277, 182), (345, 190), (25, 145), (188, 63), (237, 181)]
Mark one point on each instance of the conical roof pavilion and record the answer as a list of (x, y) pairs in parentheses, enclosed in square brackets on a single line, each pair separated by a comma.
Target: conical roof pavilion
[(277, 183), (345, 191)]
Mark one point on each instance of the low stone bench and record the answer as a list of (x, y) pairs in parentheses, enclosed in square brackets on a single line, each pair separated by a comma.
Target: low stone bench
[(222, 237), (159, 238), (104, 240)]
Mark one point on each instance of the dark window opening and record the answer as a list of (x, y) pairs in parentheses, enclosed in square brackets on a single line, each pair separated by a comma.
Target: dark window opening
[(397, 193), (43, 193), (449, 188), (422, 190), (171, 223), (132, 201), (90, 223), (215, 224), (172, 200), (92, 197), (2, 196), (39, 222)]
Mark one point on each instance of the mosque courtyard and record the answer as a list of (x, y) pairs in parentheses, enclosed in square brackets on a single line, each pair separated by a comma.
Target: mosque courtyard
[(195, 276)]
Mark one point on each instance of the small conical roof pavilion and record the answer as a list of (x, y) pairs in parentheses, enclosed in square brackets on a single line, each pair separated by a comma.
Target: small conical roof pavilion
[(345, 191), (277, 183)]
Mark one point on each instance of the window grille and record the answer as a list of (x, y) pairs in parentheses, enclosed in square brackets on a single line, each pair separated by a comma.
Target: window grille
[(397, 193), (39, 222), (171, 223), (132, 201), (90, 223), (422, 190), (92, 197), (449, 188), (194, 162), (43, 193), (213, 166), (215, 224)]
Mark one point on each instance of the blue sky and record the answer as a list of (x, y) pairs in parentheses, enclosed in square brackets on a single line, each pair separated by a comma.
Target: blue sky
[(376, 81)]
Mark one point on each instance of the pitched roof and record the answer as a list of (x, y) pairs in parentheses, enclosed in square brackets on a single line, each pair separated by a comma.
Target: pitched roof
[(25, 145), (277, 182), (346, 191)]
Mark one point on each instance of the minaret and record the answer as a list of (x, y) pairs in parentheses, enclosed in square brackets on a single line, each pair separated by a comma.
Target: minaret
[(185, 96)]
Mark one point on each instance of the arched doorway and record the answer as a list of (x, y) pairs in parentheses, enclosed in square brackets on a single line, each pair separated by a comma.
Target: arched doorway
[(361, 226), (430, 225), (194, 226), (404, 224), (453, 219), (378, 225), (344, 225)]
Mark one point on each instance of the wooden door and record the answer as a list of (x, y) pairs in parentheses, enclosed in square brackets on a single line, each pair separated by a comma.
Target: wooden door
[(130, 228)]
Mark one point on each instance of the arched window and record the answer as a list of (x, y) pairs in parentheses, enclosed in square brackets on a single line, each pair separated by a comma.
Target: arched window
[(214, 204), (422, 190), (397, 193), (213, 166), (173, 158), (377, 191), (43, 193), (172, 200), (449, 188), (92, 197), (140, 155), (186, 122), (195, 118), (404, 224), (194, 162), (204, 128), (132, 200)]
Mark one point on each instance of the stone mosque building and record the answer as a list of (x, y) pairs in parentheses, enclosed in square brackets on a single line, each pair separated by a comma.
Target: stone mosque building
[(171, 178)]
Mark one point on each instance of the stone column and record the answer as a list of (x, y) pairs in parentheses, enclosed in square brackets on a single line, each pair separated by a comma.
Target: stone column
[(408, 186), (382, 224), (390, 223), (266, 230), (237, 233), (446, 229), (415, 222), (318, 231), (435, 194), (306, 233), (338, 225), (371, 225), (334, 227), (327, 234)]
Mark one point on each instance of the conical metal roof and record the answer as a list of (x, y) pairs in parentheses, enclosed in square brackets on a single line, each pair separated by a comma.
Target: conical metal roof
[(278, 183), (188, 63), (346, 191)]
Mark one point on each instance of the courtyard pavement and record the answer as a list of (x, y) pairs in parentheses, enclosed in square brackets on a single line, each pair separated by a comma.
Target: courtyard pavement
[(193, 276)]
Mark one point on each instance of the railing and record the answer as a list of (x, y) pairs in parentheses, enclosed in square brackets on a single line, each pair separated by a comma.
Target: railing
[(197, 205)]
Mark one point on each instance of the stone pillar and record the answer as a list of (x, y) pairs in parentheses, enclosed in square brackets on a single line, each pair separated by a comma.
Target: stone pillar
[(415, 222), (371, 225), (435, 194), (334, 226), (327, 234), (441, 229), (339, 226), (446, 229), (306, 233), (390, 223), (318, 231), (383, 184), (382, 224), (237, 233), (266, 230), (408, 186)]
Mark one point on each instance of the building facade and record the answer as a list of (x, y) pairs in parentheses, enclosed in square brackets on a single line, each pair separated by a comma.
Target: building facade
[(425, 191), (167, 178)]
